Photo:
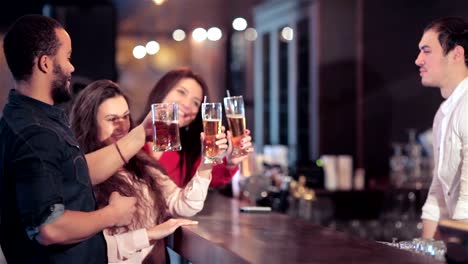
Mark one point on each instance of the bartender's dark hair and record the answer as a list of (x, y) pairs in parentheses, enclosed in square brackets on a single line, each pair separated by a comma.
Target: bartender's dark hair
[(452, 31)]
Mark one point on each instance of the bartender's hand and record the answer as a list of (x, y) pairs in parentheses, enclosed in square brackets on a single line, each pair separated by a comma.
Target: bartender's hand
[(168, 227), (246, 144)]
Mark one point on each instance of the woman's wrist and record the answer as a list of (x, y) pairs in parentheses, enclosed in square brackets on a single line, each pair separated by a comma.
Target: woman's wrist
[(129, 145), (139, 135), (229, 164), (150, 233), (142, 135), (204, 170)]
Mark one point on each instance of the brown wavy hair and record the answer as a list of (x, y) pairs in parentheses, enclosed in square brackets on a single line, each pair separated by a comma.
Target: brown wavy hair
[(84, 123), (190, 135)]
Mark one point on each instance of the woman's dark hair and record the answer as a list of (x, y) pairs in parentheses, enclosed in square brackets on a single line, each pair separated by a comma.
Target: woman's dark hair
[(84, 124), (30, 37), (190, 135), (452, 31)]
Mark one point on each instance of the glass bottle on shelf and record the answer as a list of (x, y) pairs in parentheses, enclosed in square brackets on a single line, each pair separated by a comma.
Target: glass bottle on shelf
[(398, 164), (414, 151)]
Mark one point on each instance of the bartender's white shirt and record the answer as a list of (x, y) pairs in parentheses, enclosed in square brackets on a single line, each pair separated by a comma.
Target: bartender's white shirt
[(448, 194)]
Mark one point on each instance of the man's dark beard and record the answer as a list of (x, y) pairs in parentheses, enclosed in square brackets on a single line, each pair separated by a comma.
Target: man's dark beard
[(60, 93)]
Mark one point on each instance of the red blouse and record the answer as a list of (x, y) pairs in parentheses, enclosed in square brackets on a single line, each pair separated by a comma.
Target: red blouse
[(221, 175)]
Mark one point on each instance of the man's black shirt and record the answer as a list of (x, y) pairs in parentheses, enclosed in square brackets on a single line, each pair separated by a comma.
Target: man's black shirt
[(42, 173)]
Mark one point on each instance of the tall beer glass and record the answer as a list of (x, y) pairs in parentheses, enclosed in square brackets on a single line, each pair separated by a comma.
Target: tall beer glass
[(211, 115), (235, 113), (165, 127)]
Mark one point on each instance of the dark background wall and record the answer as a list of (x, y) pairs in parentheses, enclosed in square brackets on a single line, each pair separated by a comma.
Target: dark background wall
[(93, 30), (92, 25), (337, 77)]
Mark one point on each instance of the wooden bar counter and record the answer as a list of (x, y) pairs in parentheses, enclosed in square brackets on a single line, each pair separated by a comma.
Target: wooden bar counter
[(225, 235)]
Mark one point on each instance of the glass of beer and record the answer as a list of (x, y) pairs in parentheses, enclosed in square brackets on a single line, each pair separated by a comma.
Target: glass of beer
[(165, 127), (211, 115), (235, 113)]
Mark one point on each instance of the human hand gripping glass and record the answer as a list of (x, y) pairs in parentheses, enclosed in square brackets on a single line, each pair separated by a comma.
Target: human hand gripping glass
[(212, 116), (165, 127), (235, 113), (245, 145)]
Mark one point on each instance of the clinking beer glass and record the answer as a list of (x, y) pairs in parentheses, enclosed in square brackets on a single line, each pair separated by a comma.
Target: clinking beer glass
[(211, 115), (165, 127), (235, 113)]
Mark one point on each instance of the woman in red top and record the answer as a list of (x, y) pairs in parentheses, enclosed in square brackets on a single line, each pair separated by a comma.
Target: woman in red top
[(186, 88)]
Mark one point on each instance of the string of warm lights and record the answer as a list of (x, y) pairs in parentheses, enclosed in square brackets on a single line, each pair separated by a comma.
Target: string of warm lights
[(212, 34)]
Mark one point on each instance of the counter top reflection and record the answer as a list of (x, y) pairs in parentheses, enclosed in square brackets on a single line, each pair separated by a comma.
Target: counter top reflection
[(225, 235)]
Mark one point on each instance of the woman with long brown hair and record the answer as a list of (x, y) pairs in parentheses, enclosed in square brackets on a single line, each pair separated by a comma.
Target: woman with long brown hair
[(186, 88), (99, 117)]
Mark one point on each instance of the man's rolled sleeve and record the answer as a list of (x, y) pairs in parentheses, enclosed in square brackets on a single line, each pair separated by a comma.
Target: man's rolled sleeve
[(430, 212), (56, 211)]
